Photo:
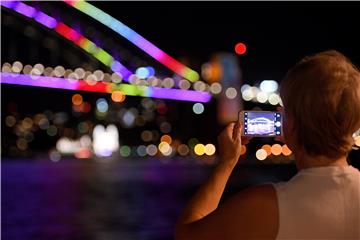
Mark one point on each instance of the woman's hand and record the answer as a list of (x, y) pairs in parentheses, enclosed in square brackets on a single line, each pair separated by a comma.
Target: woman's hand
[(230, 143)]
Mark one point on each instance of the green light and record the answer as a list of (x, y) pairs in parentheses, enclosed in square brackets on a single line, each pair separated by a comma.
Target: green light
[(88, 46), (192, 142), (125, 151), (191, 75), (104, 57), (131, 90)]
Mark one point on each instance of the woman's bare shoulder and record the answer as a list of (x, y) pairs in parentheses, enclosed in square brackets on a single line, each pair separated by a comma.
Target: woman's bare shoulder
[(254, 213), (250, 214)]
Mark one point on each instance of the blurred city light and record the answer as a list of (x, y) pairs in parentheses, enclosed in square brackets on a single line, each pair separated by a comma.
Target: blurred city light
[(231, 93), (215, 88), (209, 149), (183, 150), (105, 141), (261, 154), (165, 148), (267, 148), (198, 108), (125, 151), (77, 99), (286, 151), (102, 105), (151, 150), (142, 72), (276, 149), (269, 86), (166, 138), (199, 149), (117, 96), (240, 48)]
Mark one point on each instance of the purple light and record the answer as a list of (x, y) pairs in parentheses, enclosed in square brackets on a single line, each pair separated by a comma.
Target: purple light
[(182, 95), (61, 83), (7, 4), (46, 20), (119, 68), (24, 9), (37, 81)]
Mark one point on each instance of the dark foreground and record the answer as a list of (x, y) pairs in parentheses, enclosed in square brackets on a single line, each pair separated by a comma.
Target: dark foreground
[(131, 199)]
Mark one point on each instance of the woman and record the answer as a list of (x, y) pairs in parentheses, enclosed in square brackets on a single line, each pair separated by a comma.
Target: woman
[(321, 96)]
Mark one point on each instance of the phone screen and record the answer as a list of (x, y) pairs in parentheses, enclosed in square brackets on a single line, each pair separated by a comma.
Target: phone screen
[(266, 124)]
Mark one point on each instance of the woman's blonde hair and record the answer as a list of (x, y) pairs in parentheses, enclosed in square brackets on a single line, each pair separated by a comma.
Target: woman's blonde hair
[(321, 94)]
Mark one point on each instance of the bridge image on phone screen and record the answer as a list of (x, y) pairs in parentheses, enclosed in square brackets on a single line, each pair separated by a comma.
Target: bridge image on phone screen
[(262, 123)]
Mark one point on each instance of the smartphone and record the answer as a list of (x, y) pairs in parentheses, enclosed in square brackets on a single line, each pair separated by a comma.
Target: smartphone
[(260, 123)]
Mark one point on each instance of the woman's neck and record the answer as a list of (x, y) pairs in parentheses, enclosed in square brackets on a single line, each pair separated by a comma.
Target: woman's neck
[(305, 161)]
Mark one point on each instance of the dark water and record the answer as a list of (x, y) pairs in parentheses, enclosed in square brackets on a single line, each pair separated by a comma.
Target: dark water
[(132, 199)]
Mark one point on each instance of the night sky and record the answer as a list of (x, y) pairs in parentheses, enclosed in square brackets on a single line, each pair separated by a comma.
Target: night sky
[(277, 33)]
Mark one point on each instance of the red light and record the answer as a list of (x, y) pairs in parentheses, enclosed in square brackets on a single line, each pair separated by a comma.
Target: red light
[(240, 48)]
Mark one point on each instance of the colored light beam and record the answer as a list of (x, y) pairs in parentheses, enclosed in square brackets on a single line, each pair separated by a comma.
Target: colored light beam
[(70, 34), (135, 38), (104, 87)]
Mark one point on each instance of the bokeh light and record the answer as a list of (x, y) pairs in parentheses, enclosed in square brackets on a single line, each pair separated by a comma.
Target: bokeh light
[(116, 77), (52, 130), (146, 136), (240, 48), (168, 83), (22, 144), (10, 121), (165, 148), (151, 150), (44, 123), (210, 149), (184, 84), (269, 86), (102, 105), (77, 99), (125, 151), (198, 108), (118, 96), (165, 127), (215, 88), (166, 138), (17, 67), (276, 149), (274, 99), (59, 71), (141, 151), (231, 93), (54, 155), (142, 72), (199, 149), (83, 127), (267, 148), (200, 86), (261, 154), (262, 97), (151, 71), (286, 150), (247, 94), (183, 150)]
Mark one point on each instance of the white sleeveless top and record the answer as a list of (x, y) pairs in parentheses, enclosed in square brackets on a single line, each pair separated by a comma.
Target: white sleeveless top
[(320, 203)]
